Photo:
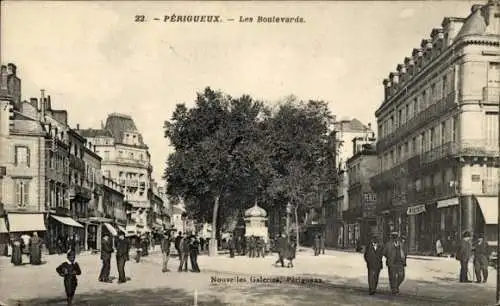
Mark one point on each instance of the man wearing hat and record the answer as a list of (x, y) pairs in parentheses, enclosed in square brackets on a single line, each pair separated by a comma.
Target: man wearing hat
[(165, 250), (395, 255), (464, 254), (481, 255), (373, 257)]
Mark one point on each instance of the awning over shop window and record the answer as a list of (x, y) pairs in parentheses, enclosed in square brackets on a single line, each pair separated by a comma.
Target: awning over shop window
[(415, 210), (3, 226), (26, 223), (67, 221), (447, 202), (489, 207), (121, 228), (111, 229)]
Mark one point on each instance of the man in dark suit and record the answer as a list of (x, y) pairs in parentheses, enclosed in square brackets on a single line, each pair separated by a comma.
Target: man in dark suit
[(394, 252), (106, 251), (122, 249), (373, 258), (481, 258), (282, 250), (464, 254), (184, 252)]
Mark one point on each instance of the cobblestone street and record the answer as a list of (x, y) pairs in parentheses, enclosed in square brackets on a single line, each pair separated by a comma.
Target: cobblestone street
[(429, 282)]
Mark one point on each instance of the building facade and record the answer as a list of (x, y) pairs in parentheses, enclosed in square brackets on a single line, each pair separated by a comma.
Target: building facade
[(345, 131), (360, 217), (126, 160), (438, 135), (22, 145)]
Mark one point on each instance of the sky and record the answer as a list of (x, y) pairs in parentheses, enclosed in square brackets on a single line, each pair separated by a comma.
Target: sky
[(94, 59)]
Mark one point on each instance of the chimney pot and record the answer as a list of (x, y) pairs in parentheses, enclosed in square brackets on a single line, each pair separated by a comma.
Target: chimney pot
[(12, 68), (49, 103), (78, 126)]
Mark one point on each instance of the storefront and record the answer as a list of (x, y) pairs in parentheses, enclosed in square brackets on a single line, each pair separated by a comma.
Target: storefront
[(449, 225), (424, 230), (24, 223), (4, 237), (488, 223), (61, 228)]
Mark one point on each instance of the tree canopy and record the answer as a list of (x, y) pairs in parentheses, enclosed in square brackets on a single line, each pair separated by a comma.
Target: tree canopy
[(230, 152)]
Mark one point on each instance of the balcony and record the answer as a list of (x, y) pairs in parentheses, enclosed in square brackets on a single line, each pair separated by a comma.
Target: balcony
[(437, 153), (491, 95), (132, 162), (76, 191), (490, 187), (475, 147), (76, 163), (432, 194), (430, 114), (133, 183)]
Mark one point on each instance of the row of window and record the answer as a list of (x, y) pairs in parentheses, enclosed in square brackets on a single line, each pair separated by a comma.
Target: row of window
[(131, 155), (430, 95), (438, 135)]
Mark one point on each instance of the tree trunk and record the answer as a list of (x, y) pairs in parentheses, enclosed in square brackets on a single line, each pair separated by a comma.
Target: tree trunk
[(297, 235), (212, 247)]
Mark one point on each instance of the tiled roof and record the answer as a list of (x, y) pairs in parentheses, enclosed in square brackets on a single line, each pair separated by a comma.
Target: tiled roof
[(118, 124), (93, 133), (353, 125)]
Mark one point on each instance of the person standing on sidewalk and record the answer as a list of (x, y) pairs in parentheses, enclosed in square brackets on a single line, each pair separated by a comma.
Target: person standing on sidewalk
[(481, 256), (282, 250), (231, 246), (177, 244), (183, 253), (106, 251), (122, 249), (317, 244), (165, 250), (395, 255), (35, 250), (194, 250), (322, 244), (373, 258), (464, 254)]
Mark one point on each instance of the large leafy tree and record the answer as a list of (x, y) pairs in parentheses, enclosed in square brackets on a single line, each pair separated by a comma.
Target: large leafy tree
[(299, 140), (216, 154)]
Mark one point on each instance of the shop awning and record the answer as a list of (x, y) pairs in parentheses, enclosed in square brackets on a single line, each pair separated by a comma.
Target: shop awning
[(26, 222), (67, 221), (121, 228), (447, 202), (111, 229), (489, 207), (415, 210), (3, 226)]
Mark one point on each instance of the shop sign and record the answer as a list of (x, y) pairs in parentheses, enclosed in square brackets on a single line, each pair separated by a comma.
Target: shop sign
[(415, 210), (447, 202)]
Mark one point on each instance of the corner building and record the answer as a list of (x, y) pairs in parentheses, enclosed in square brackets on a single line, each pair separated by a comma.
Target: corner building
[(438, 135)]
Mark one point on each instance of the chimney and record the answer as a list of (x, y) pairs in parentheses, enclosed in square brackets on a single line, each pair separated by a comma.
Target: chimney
[(43, 104), (78, 126), (11, 69), (492, 16), (49, 103)]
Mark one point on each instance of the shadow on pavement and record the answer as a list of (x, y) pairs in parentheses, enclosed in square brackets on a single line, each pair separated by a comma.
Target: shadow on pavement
[(163, 296)]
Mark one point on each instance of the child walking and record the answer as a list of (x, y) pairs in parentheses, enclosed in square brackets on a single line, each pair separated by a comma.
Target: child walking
[(69, 270)]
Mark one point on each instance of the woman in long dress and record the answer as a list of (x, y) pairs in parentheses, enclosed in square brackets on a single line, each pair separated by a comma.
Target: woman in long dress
[(17, 256), (35, 250)]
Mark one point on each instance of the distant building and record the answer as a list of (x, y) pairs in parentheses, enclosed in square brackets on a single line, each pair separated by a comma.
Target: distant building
[(345, 131), (438, 135), (360, 217), (126, 160)]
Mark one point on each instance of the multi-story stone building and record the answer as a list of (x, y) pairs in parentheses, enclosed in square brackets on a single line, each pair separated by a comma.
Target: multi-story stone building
[(22, 156), (345, 131), (360, 217), (438, 134), (126, 159)]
